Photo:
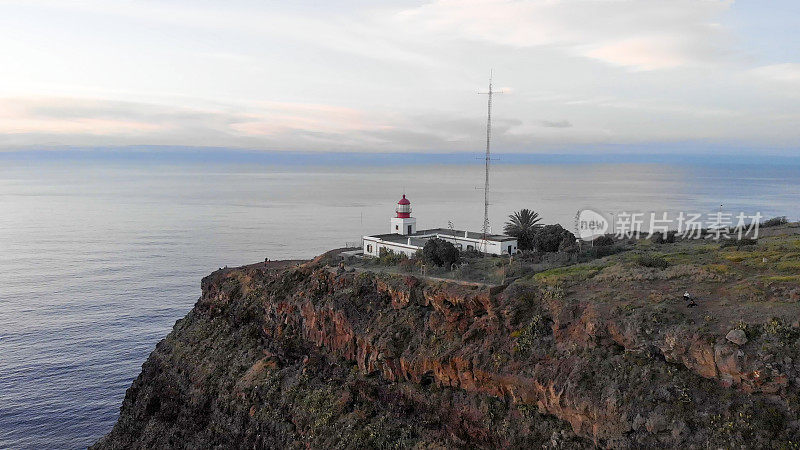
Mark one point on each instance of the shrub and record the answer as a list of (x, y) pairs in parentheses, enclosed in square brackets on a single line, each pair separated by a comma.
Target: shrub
[(528, 336), (440, 252), (568, 245), (407, 265), (659, 237), (602, 251), (390, 258), (470, 253), (774, 222), (430, 252), (652, 261), (448, 253), (739, 242), (603, 241), (550, 237), (779, 329)]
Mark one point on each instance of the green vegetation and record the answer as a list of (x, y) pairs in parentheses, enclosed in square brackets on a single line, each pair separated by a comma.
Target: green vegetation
[(763, 270), (774, 222), (659, 237), (552, 238), (523, 225), (779, 329), (575, 272), (603, 241), (654, 261), (440, 253), (786, 278), (738, 243), (601, 251), (390, 258), (528, 336)]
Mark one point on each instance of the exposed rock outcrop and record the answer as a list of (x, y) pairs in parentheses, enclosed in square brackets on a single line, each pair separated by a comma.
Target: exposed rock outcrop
[(306, 357)]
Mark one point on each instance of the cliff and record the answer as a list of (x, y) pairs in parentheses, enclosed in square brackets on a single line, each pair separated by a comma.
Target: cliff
[(603, 354)]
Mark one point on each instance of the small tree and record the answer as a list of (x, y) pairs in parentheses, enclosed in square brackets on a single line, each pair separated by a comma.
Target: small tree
[(523, 225), (430, 252), (448, 253), (774, 222), (550, 237), (603, 241), (440, 252)]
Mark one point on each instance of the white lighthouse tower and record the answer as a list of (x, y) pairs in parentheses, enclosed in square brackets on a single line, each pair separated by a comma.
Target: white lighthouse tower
[(403, 223)]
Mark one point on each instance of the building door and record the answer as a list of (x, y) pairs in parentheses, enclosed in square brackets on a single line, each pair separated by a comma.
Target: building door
[(509, 249), (409, 229)]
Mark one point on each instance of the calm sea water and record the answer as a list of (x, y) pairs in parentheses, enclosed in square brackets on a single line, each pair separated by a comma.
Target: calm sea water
[(99, 259)]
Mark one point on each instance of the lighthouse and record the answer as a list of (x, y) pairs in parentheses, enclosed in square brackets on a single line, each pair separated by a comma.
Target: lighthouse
[(404, 238), (402, 222)]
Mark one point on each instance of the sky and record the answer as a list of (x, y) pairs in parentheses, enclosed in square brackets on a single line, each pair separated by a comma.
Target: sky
[(396, 76)]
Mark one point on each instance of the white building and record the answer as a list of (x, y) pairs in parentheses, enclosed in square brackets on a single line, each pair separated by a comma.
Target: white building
[(405, 238)]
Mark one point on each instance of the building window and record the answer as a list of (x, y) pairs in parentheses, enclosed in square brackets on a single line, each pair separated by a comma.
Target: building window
[(396, 227), (470, 247)]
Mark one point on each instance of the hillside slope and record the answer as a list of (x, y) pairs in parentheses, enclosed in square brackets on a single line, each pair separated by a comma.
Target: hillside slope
[(604, 353)]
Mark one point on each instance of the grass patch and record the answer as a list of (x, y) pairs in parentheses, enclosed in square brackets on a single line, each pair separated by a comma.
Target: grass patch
[(788, 266), (737, 256), (718, 268), (652, 261), (680, 258), (790, 278), (738, 242), (575, 272)]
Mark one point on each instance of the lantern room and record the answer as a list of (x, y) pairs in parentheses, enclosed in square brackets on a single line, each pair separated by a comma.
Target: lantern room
[(403, 223), (403, 208)]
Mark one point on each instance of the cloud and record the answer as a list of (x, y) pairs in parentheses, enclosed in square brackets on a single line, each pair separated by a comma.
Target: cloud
[(556, 124), (641, 35), (786, 73), (76, 121), (261, 125), (642, 53), (390, 77)]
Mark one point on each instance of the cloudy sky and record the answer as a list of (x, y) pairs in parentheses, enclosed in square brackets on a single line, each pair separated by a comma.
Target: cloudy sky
[(399, 76)]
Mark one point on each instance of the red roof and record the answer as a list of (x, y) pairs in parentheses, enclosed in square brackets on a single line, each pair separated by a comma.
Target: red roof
[(404, 201)]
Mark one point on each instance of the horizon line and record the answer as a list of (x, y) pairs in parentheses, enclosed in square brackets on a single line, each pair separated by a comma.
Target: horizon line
[(192, 154)]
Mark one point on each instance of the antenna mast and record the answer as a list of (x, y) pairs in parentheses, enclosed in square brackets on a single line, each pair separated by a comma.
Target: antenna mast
[(488, 158)]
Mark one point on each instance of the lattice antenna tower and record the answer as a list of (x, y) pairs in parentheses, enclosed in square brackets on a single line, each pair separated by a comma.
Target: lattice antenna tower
[(490, 93)]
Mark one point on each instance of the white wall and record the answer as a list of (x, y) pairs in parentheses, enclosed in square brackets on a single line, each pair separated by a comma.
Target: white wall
[(402, 224), (372, 247), (492, 247)]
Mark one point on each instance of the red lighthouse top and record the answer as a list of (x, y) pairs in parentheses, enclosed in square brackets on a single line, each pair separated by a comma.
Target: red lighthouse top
[(404, 208)]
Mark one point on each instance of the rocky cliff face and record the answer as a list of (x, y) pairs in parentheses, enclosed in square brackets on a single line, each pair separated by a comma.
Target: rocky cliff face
[(304, 357)]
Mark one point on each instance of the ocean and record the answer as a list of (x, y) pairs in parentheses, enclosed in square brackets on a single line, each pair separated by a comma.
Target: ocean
[(100, 257)]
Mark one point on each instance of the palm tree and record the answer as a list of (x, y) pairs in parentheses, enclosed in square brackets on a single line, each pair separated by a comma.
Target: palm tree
[(523, 225)]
